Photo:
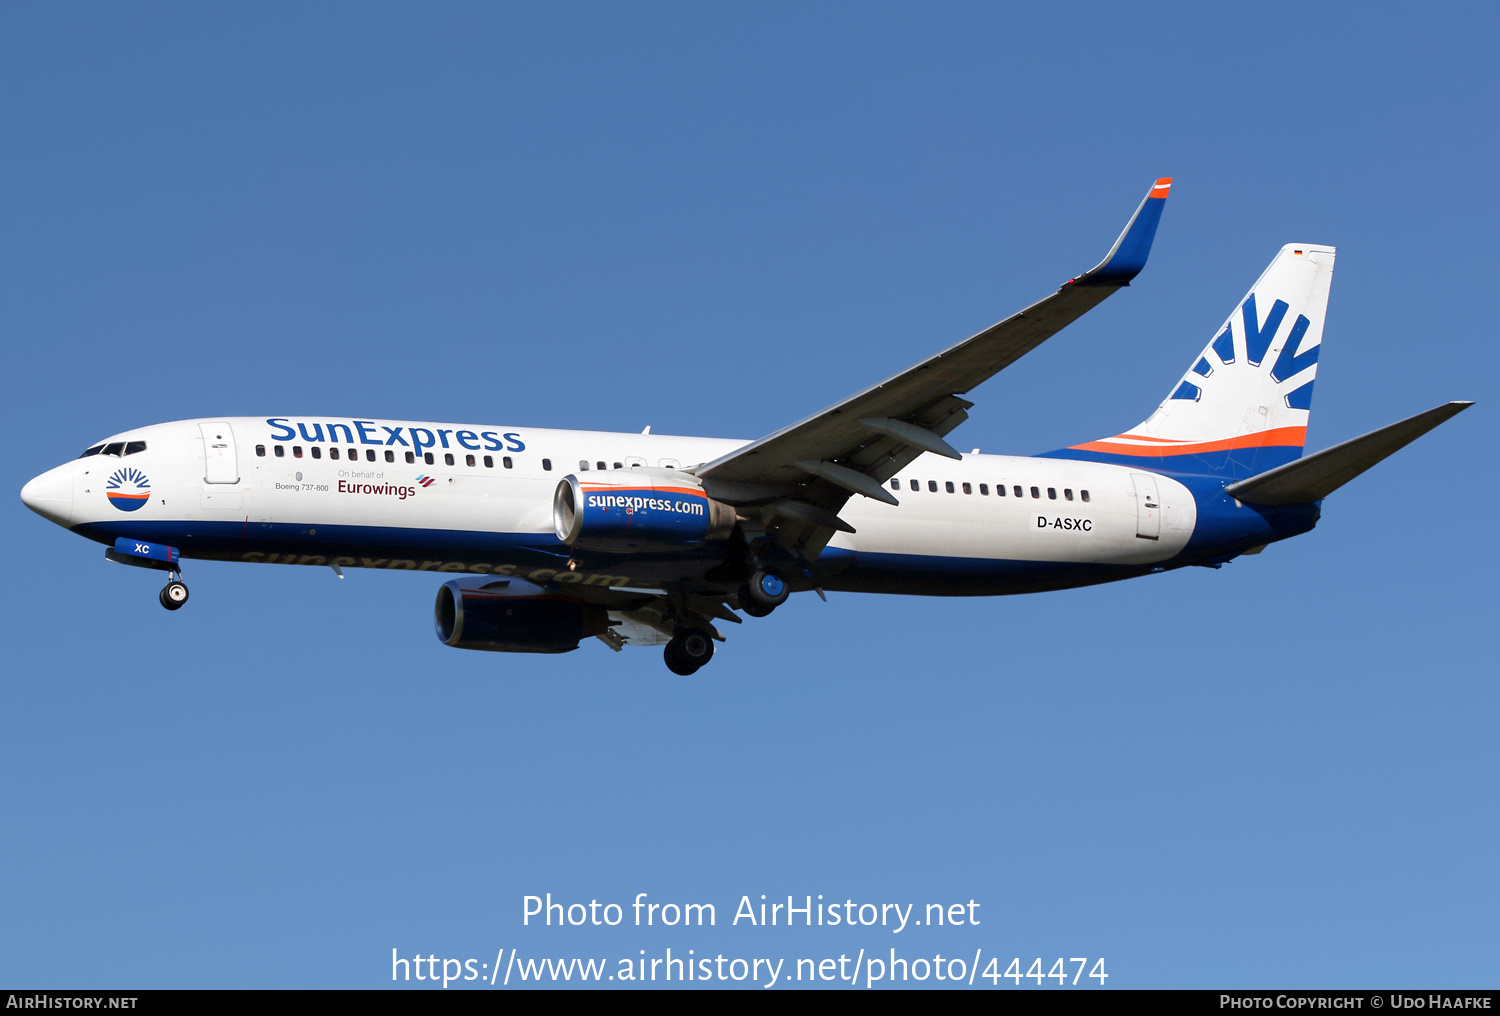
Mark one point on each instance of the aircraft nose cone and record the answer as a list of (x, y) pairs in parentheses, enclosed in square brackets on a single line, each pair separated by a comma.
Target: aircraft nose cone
[(51, 495)]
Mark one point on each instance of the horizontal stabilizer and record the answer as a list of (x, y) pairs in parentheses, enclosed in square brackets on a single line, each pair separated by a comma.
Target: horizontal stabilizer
[(1314, 477)]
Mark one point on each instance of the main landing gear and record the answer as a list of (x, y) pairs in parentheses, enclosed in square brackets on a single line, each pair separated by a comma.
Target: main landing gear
[(692, 644), (689, 649), (763, 593)]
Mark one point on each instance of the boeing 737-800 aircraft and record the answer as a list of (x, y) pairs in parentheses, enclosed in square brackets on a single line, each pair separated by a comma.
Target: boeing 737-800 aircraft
[(548, 537)]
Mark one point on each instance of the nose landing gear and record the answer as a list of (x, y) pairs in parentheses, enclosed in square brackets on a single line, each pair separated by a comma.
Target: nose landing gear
[(174, 594), (158, 556)]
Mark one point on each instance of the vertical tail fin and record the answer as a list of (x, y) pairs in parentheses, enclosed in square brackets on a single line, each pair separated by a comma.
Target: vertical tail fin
[(1243, 406)]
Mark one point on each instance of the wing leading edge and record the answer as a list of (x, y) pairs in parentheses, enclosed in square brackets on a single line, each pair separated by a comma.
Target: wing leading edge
[(798, 478)]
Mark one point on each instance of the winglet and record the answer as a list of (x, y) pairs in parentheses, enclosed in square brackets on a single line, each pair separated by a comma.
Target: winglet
[(1128, 256)]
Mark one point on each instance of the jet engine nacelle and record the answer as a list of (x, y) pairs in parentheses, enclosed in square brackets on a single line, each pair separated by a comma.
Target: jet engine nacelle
[(638, 510), (513, 616)]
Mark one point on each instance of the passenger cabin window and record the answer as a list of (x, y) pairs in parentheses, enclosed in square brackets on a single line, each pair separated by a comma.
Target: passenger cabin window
[(411, 457), (583, 465), (915, 485), (1067, 493), (547, 465), (1035, 492), (427, 457), (296, 451), (1084, 494), (968, 489), (260, 450), (92, 451), (1016, 490), (619, 465), (507, 463), (932, 486), (333, 453), (948, 486), (135, 446), (489, 462), (353, 454), (600, 465), (1052, 493), (317, 452), (984, 488), (468, 459), (370, 454), (895, 484), (280, 451), (448, 458), (390, 456)]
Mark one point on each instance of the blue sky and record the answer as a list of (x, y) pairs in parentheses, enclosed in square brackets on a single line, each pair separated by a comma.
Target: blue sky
[(716, 220)]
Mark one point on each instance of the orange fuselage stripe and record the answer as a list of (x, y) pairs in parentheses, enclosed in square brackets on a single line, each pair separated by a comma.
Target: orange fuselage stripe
[(589, 488), (1281, 436)]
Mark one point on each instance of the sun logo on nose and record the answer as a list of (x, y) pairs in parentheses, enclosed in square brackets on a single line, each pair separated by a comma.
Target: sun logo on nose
[(128, 489)]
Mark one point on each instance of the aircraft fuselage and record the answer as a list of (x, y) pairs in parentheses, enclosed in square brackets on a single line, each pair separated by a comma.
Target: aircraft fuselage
[(279, 491)]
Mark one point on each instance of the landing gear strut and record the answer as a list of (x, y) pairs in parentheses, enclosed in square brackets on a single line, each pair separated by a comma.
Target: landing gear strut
[(689, 649)]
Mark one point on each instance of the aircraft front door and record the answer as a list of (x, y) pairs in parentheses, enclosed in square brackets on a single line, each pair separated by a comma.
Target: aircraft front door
[(220, 463), (1147, 507)]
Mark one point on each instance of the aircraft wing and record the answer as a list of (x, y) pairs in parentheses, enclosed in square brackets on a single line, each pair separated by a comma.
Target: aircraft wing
[(799, 477)]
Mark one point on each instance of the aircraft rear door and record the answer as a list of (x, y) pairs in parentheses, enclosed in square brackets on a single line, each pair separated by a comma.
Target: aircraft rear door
[(1147, 507), (220, 463)]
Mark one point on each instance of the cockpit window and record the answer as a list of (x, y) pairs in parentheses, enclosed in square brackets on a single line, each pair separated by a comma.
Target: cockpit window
[(115, 448)]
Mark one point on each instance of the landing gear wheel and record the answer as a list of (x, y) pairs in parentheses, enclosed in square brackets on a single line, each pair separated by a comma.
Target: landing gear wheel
[(689, 649), (765, 591), (173, 595), (749, 606)]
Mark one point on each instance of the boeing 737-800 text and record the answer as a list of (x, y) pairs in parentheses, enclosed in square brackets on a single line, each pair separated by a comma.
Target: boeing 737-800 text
[(548, 537)]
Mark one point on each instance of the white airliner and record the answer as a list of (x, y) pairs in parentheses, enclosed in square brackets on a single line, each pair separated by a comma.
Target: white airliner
[(548, 537)]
